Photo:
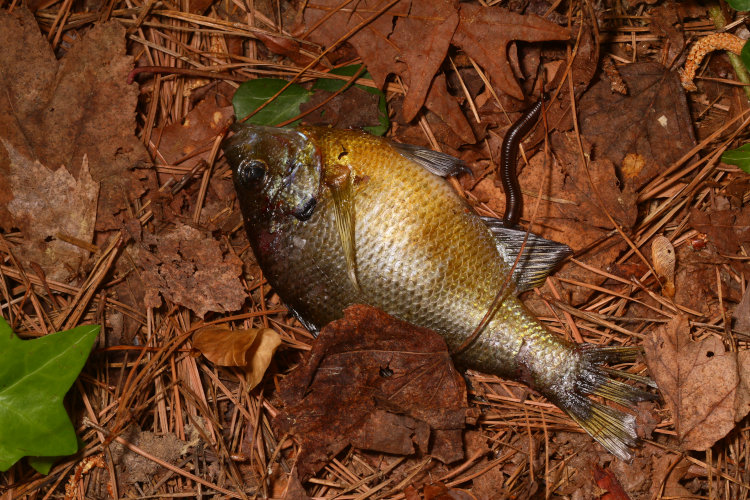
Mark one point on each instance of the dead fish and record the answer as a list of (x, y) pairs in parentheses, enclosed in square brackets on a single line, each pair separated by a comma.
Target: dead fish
[(339, 217)]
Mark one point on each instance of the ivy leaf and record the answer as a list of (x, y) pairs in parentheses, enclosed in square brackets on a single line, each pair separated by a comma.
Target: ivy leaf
[(34, 377), (741, 5), (254, 93), (745, 53), (332, 85), (739, 156)]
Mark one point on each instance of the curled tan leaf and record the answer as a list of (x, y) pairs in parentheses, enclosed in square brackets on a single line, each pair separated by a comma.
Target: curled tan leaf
[(260, 355), (250, 349)]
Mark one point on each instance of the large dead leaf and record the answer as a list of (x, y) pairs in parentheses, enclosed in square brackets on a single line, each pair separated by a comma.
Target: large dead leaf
[(376, 383), (197, 130), (137, 468), (57, 112), (191, 269), (54, 211), (727, 229), (705, 387), (411, 39), (250, 350), (652, 122)]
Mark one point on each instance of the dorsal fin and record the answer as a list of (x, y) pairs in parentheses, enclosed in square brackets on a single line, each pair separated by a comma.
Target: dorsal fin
[(540, 256), (436, 162)]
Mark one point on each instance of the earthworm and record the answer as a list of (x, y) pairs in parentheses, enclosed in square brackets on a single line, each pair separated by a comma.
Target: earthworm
[(508, 157)]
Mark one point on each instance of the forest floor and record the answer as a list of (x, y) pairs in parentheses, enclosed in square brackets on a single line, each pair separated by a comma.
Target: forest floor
[(624, 167)]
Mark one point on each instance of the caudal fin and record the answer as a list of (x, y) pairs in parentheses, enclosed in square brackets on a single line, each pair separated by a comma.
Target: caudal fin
[(612, 428)]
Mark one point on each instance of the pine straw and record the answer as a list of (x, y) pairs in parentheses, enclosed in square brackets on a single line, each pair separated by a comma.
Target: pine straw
[(159, 386)]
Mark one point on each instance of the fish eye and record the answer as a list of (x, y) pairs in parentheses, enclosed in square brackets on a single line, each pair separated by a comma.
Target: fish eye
[(252, 170)]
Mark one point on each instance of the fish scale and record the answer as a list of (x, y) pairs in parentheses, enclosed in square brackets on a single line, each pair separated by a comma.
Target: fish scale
[(420, 253)]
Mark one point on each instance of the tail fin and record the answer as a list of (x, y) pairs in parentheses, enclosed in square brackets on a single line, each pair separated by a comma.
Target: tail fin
[(612, 428)]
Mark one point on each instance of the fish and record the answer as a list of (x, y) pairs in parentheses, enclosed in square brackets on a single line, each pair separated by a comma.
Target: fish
[(340, 217)]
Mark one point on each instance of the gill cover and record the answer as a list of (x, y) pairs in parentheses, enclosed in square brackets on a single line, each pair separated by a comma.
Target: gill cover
[(276, 172)]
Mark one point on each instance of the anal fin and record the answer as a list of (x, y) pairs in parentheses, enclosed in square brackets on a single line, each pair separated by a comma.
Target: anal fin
[(539, 258)]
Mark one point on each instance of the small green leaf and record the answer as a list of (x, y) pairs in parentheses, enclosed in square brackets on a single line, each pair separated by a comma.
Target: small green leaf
[(34, 377), (745, 54), (332, 85), (739, 4), (252, 94), (739, 157), (43, 464)]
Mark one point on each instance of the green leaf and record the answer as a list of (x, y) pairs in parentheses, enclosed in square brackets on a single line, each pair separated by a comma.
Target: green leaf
[(745, 55), (739, 4), (252, 94), (43, 464), (332, 85), (739, 157), (34, 377)]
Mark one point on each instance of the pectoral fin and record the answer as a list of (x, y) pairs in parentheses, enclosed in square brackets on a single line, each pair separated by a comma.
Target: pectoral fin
[(540, 256), (433, 161), (343, 203)]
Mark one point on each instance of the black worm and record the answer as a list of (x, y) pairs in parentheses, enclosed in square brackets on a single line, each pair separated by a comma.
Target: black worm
[(508, 158)]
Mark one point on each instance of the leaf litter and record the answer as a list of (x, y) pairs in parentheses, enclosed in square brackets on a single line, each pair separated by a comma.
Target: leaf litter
[(378, 384), (179, 272), (706, 387)]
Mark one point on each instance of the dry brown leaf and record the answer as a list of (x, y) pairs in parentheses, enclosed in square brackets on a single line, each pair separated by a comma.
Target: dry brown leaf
[(727, 229), (294, 489), (136, 468), (197, 130), (55, 112), (353, 108), (411, 39), (439, 491), (377, 383), (666, 476), (190, 268), (696, 283), (50, 207), (608, 482), (485, 32), (249, 349), (652, 121), (705, 387)]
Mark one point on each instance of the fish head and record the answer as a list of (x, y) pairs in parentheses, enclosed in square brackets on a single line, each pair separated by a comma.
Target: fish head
[(276, 172)]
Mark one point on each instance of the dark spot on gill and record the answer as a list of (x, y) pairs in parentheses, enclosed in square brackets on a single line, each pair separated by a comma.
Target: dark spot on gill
[(307, 210), (343, 153)]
